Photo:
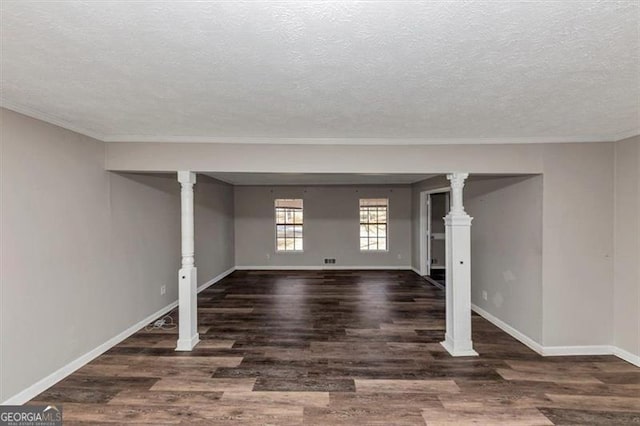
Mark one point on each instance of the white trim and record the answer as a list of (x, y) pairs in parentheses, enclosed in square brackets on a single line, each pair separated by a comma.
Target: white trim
[(188, 343), (434, 282), (626, 355), (425, 216), (422, 237), (437, 190), (592, 350), (526, 340), (47, 118), (425, 233), (457, 352), (557, 350), (388, 225), (61, 373), (370, 141), (53, 378), (625, 135), (429, 279), (577, 350), (216, 279), (277, 251), (537, 347), (56, 376), (320, 268)]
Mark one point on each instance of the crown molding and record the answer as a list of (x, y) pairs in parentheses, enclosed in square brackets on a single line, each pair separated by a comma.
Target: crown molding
[(367, 141), (626, 135), (51, 119)]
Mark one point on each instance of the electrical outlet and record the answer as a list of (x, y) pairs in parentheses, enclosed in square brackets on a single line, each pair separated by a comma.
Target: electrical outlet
[(399, 256), (268, 255), (484, 295), (163, 290)]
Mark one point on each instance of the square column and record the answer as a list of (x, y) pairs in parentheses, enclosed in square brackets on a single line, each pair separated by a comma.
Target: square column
[(458, 273), (187, 275)]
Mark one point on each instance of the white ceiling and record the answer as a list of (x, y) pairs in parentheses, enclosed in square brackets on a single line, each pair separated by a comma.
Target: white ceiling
[(274, 179), (338, 72)]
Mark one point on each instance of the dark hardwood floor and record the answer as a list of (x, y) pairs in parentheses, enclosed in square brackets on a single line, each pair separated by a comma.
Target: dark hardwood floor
[(340, 347)]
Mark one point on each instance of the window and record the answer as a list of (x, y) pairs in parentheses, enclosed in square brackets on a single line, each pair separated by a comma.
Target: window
[(289, 225), (373, 224)]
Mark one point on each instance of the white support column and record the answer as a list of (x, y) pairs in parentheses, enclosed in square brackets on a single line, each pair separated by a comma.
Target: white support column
[(187, 276), (458, 273)]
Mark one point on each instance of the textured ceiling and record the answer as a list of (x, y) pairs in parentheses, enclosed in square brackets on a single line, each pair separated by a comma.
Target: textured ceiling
[(415, 72), (317, 178)]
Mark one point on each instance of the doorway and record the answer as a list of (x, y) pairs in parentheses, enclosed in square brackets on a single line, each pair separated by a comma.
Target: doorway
[(434, 206)]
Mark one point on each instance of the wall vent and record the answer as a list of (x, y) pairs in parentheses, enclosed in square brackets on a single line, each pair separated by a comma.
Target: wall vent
[(329, 261)]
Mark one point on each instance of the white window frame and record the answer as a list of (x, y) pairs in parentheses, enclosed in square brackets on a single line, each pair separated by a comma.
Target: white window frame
[(275, 227), (387, 239)]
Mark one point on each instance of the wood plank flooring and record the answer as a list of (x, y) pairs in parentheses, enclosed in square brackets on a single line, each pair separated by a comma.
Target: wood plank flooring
[(339, 347)]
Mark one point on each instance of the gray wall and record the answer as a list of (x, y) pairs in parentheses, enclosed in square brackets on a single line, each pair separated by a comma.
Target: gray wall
[(506, 249), (214, 228), (577, 226), (577, 247), (57, 300), (143, 243), (626, 306), (331, 226), (85, 251), (305, 158), (82, 243)]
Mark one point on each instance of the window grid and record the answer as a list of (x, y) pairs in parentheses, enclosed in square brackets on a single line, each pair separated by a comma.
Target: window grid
[(289, 225), (373, 225)]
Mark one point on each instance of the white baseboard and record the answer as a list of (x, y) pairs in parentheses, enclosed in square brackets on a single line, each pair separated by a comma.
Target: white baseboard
[(557, 350), (216, 279), (53, 378), (577, 350), (63, 372), (320, 268), (416, 271), (56, 376), (523, 338), (626, 355), (434, 282)]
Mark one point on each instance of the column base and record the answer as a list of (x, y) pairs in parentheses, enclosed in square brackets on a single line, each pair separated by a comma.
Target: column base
[(450, 347), (188, 344), (188, 335)]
